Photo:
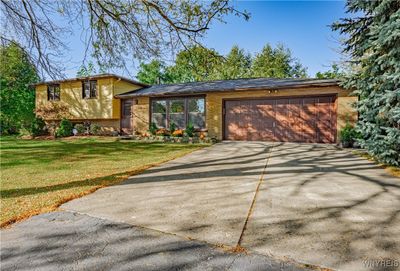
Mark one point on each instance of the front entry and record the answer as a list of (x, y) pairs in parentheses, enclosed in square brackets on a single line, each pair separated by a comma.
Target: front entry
[(126, 116)]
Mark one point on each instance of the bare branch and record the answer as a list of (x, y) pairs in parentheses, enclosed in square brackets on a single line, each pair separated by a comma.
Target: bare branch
[(118, 32)]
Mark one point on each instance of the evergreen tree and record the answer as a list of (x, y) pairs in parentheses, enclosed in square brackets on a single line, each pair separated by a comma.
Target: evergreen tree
[(17, 98), (237, 64), (374, 44), (201, 64), (277, 63), (333, 73)]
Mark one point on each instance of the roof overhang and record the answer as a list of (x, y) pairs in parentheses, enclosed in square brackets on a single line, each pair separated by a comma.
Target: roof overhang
[(200, 88), (92, 77)]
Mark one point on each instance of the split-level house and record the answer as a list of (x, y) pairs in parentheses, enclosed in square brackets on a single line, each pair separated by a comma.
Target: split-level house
[(267, 109)]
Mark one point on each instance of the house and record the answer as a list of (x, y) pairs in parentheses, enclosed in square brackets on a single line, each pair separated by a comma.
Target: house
[(89, 98), (298, 110)]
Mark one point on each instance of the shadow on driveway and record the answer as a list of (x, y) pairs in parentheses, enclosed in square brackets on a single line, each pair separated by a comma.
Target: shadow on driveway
[(317, 205), (325, 206), (68, 241)]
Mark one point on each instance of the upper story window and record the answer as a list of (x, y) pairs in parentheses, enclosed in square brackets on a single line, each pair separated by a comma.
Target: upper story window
[(89, 89), (53, 92)]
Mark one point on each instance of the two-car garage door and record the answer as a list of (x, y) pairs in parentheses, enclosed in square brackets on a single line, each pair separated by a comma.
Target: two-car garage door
[(293, 119)]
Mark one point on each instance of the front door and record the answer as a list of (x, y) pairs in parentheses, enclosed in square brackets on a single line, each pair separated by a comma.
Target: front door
[(126, 116)]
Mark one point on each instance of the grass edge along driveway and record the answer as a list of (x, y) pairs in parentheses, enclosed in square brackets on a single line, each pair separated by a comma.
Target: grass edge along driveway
[(37, 176)]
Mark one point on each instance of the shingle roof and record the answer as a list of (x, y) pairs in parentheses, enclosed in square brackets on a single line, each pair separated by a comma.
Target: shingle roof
[(227, 85), (97, 76)]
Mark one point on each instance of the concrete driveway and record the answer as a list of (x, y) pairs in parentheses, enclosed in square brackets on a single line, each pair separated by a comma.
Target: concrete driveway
[(312, 203), (71, 241)]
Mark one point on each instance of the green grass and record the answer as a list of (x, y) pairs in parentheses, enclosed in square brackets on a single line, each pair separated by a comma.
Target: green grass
[(39, 175)]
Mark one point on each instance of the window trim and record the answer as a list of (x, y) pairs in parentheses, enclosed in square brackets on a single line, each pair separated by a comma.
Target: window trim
[(90, 91), (48, 92), (186, 112)]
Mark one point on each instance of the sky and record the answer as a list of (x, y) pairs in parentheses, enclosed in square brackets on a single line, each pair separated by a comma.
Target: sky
[(302, 26)]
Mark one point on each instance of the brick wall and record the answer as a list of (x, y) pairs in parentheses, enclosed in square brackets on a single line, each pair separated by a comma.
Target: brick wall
[(140, 112)]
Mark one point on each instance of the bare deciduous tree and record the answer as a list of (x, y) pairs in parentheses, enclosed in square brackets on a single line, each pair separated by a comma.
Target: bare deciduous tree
[(114, 31)]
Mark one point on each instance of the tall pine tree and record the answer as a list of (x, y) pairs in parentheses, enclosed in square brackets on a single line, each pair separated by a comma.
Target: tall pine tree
[(374, 44), (277, 63), (237, 64)]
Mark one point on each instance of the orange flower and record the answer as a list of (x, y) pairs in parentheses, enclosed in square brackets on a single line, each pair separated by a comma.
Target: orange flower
[(162, 132), (178, 133)]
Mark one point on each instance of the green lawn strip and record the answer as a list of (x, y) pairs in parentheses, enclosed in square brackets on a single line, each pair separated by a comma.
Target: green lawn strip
[(39, 175), (395, 171)]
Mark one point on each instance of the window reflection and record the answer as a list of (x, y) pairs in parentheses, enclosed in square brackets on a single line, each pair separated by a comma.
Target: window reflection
[(180, 111)]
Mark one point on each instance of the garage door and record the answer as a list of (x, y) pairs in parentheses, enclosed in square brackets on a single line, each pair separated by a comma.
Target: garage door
[(293, 119)]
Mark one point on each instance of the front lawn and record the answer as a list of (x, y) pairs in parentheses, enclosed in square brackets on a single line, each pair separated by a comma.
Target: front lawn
[(39, 175)]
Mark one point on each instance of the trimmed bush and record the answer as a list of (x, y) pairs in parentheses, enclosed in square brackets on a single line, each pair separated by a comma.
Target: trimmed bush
[(95, 129), (80, 128), (38, 127), (65, 128), (348, 135)]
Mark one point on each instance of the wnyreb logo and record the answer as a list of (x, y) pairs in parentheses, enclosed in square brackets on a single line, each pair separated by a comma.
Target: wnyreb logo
[(381, 263)]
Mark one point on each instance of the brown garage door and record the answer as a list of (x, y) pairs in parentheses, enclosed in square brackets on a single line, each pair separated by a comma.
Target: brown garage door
[(294, 119)]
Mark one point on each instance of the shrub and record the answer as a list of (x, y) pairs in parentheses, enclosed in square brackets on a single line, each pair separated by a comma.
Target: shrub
[(348, 135), (38, 127), (153, 128), (86, 125), (172, 127), (178, 133), (23, 132), (52, 127), (80, 128), (65, 128), (162, 132), (190, 130), (95, 129)]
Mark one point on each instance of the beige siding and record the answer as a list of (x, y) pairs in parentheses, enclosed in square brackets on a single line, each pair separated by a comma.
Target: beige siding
[(40, 95), (104, 106), (79, 108), (346, 111), (121, 86)]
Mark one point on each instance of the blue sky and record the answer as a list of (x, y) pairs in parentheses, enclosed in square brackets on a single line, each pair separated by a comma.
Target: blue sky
[(303, 26)]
